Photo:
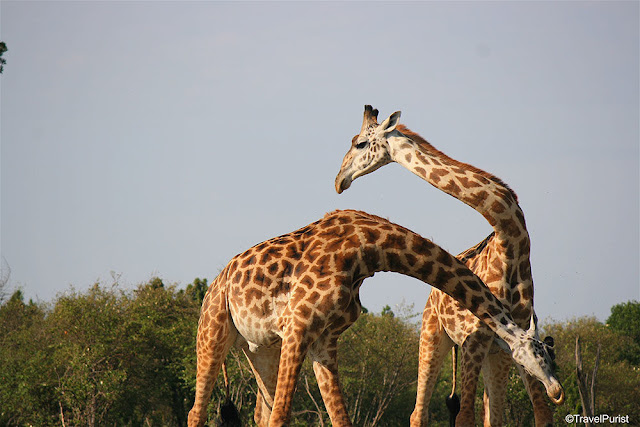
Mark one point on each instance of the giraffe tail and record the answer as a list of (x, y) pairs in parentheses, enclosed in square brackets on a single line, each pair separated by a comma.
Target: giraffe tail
[(453, 401), (229, 415)]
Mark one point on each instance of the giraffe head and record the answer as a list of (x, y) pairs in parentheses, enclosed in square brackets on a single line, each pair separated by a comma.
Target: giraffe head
[(369, 149), (536, 358)]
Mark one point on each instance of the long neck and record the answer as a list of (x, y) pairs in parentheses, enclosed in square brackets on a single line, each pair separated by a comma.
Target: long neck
[(415, 256), (426, 261), (484, 192)]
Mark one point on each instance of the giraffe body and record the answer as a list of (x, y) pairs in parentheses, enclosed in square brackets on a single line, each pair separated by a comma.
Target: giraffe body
[(293, 296), (501, 261)]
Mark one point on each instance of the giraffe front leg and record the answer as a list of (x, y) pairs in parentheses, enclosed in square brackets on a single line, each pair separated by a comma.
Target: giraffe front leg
[(294, 350), (473, 351), (495, 372), (324, 353), (434, 346)]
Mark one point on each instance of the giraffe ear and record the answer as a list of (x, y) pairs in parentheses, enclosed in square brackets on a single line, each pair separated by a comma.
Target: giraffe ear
[(390, 123), (533, 326)]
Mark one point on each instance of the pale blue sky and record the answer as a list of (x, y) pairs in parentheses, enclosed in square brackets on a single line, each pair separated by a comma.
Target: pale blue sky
[(162, 138)]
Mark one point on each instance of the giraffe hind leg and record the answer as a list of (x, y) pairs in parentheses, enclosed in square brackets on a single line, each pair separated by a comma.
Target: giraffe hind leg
[(216, 334), (264, 363)]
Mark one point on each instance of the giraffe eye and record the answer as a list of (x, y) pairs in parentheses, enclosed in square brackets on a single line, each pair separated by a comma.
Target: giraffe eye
[(361, 145)]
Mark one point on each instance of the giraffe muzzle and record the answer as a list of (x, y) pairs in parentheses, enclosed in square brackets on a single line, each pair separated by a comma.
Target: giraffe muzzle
[(342, 183), (556, 393)]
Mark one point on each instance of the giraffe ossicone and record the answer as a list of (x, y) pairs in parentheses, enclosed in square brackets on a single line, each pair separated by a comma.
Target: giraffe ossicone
[(293, 295), (501, 261)]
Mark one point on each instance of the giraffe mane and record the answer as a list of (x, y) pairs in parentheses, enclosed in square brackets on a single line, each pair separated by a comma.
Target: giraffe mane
[(367, 215), (427, 148), (474, 251)]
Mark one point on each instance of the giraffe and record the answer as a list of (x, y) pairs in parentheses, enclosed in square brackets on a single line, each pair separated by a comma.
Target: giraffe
[(295, 294), (501, 261)]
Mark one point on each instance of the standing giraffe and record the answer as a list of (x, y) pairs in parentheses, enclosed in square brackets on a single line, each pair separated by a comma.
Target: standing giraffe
[(295, 294), (501, 261)]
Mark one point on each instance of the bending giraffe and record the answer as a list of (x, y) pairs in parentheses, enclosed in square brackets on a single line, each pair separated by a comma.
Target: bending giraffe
[(501, 261), (295, 294)]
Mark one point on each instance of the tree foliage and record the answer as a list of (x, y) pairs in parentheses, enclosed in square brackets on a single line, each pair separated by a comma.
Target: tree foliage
[(99, 357), (617, 380), (625, 319), (24, 387), (107, 356), (3, 49), (379, 367)]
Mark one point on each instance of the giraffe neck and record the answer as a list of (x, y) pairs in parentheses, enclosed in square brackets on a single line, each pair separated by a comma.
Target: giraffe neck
[(485, 193), (412, 255)]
